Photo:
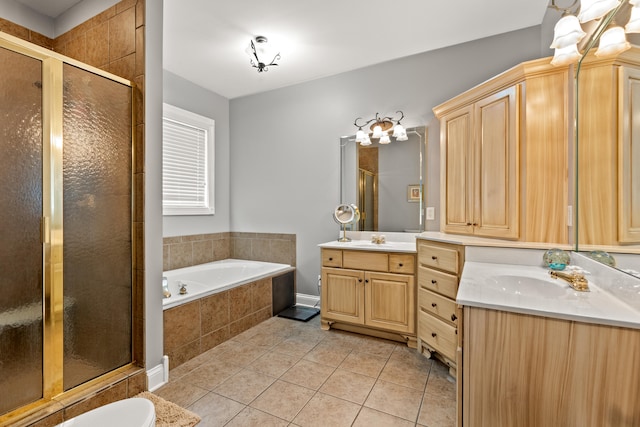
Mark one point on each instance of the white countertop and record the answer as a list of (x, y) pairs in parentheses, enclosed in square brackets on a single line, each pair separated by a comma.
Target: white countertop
[(458, 239), (366, 245), (529, 289)]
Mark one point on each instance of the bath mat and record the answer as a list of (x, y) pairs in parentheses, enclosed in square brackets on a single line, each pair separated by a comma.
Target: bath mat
[(170, 414), (299, 313)]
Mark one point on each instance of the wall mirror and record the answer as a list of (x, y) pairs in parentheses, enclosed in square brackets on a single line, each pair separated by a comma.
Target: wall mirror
[(608, 153), (386, 182)]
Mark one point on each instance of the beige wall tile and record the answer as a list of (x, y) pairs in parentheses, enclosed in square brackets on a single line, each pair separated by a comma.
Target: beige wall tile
[(122, 37), (97, 53), (77, 48), (137, 384), (239, 326), (261, 294), (124, 67), (215, 338), (214, 311), (202, 252), (261, 249), (181, 325), (239, 302), (180, 255), (187, 352), (111, 394), (240, 248)]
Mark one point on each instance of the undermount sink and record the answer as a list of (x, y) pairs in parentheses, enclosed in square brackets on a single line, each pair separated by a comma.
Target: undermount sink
[(526, 286)]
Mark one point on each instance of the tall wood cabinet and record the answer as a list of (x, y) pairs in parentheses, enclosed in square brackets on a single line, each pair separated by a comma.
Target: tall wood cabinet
[(504, 156), (609, 150), (369, 292)]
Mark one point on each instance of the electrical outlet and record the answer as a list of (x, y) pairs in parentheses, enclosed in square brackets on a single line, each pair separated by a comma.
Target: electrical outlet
[(431, 213)]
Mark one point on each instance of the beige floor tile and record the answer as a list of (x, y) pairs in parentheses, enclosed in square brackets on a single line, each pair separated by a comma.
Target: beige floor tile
[(395, 399), (251, 417), (244, 386), (377, 347), (437, 410), (400, 373), (371, 418), (444, 386), (242, 354), (327, 355), (283, 400), (364, 363), (181, 392), (348, 386), (273, 363), (210, 375), (297, 346), (411, 357), (324, 410), (215, 410), (308, 374)]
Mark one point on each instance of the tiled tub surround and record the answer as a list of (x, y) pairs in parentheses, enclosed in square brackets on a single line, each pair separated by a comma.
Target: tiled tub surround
[(185, 251), (195, 327)]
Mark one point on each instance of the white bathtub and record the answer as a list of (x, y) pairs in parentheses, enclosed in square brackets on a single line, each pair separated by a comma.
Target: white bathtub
[(218, 276)]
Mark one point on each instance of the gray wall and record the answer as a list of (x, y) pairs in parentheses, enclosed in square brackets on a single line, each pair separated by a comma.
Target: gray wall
[(188, 96), (284, 143)]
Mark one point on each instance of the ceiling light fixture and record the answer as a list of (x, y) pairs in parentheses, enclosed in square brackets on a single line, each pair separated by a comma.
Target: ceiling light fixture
[(612, 38), (258, 51), (380, 129)]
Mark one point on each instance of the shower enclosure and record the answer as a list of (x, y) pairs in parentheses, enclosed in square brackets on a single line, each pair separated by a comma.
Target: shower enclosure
[(67, 253)]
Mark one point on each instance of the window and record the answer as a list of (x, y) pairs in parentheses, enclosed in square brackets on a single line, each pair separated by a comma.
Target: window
[(187, 162)]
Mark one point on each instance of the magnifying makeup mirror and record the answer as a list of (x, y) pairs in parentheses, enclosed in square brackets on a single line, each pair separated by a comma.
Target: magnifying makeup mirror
[(346, 214)]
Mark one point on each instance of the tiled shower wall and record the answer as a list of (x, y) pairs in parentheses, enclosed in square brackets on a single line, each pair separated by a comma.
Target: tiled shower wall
[(185, 251)]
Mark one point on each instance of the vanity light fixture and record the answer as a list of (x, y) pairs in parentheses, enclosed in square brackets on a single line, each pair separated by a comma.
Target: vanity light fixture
[(612, 38), (258, 51), (380, 129)]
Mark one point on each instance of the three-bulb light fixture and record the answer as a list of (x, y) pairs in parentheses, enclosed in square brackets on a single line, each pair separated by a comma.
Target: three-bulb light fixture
[(568, 31), (380, 129)]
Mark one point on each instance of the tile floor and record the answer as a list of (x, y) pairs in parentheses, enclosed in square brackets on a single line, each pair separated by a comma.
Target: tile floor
[(288, 373)]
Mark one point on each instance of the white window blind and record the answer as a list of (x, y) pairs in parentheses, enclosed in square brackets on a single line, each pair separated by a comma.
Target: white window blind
[(187, 148)]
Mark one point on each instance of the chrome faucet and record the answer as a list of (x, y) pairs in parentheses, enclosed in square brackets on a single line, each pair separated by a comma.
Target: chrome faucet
[(182, 288), (576, 280)]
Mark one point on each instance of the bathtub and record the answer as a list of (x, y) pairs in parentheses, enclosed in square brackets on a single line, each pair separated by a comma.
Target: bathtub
[(218, 276)]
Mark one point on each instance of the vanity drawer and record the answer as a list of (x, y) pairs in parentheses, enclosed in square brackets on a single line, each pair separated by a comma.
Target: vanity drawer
[(364, 260), (435, 256), (402, 263), (331, 258), (437, 334), (437, 305), (437, 281)]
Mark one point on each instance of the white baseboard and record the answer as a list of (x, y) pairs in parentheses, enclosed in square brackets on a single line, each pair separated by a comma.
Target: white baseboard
[(158, 375), (307, 300)]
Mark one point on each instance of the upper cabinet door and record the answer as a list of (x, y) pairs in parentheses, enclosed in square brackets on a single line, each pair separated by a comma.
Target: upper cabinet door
[(496, 165), (629, 159), (457, 170)]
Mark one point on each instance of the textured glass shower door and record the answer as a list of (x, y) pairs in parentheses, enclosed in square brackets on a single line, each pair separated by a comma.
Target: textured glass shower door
[(97, 225), (21, 291)]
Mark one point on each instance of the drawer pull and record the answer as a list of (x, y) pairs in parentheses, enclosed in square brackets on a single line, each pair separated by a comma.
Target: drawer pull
[(400, 265), (330, 258), (433, 304), (433, 257), (469, 223), (433, 334), (453, 317), (434, 281)]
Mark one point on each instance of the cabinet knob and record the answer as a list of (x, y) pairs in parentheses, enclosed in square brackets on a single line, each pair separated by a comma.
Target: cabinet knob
[(330, 259), (433, 257), (434, 281), (360, 280), (400, 265), (453, 317), (366, 281), (469, 223), (475, 224), (433, 304), (433, 334)]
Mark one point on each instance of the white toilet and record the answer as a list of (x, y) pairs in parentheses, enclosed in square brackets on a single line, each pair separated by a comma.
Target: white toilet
[(133, 412)]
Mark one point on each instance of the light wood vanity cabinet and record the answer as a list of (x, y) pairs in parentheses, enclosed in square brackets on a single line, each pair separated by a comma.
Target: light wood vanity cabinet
[(439, 270), (504, 156), (369, 292), (524, 370), (609, 147)]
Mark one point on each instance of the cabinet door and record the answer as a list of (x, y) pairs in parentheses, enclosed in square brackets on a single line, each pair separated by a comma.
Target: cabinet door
[(343, 295), (496, 165), (390, 301), (629, 160), (456, 165)]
